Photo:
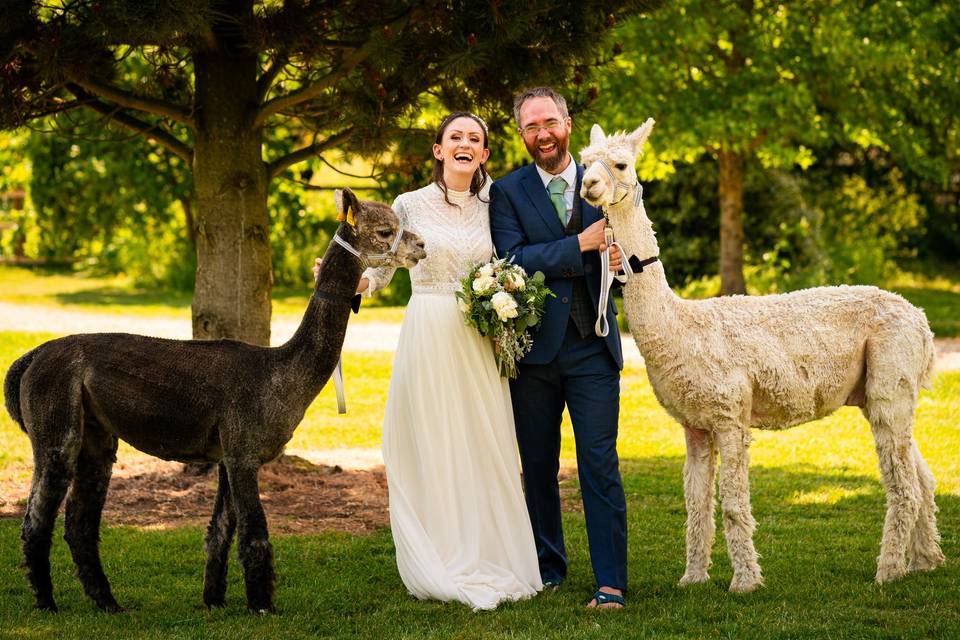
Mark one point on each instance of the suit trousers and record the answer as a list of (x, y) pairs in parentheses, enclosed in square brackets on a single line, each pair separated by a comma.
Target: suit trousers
[(584, 377)]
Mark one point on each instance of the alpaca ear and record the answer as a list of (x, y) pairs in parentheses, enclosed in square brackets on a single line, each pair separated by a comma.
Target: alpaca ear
[(346, 203), (639, 137), (596, 134)]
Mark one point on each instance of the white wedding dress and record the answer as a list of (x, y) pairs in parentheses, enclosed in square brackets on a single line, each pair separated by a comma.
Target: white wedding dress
[(457, 511)]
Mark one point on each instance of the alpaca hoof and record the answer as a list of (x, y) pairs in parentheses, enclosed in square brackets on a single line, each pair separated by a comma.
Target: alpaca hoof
[(694, 577), (46, 605), (215, 604), (112, 607), (745, 584), (890, 573), (926, 563), (263, 611)]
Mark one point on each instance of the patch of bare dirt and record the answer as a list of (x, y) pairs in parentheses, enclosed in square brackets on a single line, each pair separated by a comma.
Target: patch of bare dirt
[(298, 496)]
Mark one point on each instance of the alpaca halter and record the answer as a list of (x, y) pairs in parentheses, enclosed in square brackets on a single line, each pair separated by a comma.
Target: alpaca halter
[(626, 186), (631, 266), (391, 253)]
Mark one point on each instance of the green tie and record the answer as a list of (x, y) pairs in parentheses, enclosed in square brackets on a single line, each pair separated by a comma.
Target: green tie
[(556, 188)]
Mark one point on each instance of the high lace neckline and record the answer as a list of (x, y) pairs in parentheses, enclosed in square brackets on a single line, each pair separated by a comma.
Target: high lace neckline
[(456, 197)]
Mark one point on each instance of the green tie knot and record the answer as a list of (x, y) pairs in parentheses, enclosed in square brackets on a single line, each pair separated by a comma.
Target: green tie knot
[(556, 187)]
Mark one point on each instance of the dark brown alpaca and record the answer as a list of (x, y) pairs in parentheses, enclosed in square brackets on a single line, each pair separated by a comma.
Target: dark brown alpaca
[(193, 401)]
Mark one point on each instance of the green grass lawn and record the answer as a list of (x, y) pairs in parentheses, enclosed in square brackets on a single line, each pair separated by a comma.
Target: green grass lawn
[(816, 498)]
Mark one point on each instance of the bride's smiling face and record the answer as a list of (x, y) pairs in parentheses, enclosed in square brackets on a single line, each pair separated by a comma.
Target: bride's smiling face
[(461, 149)]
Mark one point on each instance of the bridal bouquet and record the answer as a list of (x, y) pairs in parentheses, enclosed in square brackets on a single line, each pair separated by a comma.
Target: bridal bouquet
[(499, 300)]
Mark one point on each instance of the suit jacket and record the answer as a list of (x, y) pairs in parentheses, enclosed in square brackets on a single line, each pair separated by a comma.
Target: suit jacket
[(525, 225)]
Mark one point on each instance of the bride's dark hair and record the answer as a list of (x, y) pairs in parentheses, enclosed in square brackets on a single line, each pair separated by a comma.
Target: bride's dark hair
[(479, 176)]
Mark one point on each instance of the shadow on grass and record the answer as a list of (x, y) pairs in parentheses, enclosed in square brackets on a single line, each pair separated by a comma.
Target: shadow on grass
[(942, 308), (124, 297)]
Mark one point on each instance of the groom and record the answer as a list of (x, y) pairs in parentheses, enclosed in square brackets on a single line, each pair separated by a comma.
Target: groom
[(537, 217)]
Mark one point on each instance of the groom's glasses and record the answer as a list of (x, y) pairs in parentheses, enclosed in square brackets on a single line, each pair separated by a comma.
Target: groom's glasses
[(533, 129)]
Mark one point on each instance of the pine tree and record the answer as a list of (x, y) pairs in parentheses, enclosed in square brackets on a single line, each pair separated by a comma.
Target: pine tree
[(203, 79)]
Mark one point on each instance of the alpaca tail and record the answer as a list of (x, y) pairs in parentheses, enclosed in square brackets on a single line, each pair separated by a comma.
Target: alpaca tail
[(11, 386)]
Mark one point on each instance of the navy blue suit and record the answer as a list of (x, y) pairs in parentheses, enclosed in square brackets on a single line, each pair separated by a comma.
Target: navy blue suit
[(564, 368)]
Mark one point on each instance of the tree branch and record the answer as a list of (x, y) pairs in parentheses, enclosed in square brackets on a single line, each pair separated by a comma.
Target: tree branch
[(268, 76), (280, 165), (131, 100), (149, 131), (310, 91)]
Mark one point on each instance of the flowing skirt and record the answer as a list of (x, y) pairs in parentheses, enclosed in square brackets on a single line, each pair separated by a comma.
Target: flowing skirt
[(457, 512)]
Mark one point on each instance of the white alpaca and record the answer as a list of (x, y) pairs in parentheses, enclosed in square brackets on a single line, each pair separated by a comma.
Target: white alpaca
[(723, 365)]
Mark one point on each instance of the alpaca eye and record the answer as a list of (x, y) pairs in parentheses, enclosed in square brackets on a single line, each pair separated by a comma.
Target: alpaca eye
[(384, 233), (622, 166)]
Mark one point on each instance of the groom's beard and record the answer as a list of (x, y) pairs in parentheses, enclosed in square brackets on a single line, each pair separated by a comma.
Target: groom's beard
[(554, 160)]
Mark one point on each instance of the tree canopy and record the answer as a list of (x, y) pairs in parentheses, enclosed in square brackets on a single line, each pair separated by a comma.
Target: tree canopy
[(203, 80), (744, 80)]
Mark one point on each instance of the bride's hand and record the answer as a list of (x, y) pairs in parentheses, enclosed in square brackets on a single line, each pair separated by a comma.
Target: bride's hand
[(364, 282)]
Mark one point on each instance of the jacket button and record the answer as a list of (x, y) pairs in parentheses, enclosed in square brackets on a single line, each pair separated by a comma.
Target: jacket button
[(564, 299)]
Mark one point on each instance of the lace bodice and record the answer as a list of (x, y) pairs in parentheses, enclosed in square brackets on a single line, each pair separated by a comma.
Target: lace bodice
[(457, 237)]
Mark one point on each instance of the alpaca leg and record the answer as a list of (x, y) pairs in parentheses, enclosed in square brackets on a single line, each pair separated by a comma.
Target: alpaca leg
[(52, 473), (84, 510), (924, 551), (253, 544), (223, 523), (898, 470), (738, 522), (698, 489)]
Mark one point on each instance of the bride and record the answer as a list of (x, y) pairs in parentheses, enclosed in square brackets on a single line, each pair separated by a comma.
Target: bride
[(457, 514)]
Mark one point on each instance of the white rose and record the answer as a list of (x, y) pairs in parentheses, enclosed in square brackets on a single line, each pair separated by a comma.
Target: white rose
[(504, 305), (517, 281), (484, 284), (485, 271)]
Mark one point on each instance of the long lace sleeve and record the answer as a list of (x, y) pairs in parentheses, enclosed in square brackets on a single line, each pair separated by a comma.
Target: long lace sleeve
[(380, 277)]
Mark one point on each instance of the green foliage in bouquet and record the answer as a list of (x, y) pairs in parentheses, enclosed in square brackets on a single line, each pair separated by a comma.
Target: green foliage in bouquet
[(500, 300)]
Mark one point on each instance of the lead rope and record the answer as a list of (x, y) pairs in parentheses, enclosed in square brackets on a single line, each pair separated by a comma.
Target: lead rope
[(338, 385), (602, 326)]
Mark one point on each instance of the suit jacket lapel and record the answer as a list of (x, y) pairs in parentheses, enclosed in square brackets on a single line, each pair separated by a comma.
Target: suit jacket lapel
[(541, 201), (588, 213)]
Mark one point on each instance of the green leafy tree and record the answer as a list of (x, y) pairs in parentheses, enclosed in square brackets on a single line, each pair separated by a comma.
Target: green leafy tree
[(749, 79), (109, 204), (210, 77)]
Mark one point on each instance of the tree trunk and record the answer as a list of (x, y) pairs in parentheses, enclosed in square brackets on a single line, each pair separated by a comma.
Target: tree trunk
[(731, 223), (234, 276)]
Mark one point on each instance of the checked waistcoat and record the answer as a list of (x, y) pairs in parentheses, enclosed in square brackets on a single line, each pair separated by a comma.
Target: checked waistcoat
[(581, 307)]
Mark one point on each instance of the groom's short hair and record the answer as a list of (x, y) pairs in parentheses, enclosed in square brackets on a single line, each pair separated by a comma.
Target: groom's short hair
[(539, 92)]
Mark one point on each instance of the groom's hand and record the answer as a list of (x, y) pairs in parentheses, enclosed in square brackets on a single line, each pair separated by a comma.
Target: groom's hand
[(592, 237), (616, 260)]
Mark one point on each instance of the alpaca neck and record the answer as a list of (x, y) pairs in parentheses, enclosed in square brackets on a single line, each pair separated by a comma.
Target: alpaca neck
[(314, 349), (650, 303)]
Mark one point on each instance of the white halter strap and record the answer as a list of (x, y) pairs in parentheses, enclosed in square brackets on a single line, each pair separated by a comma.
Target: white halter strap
[(392, 252), (620, 184)]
